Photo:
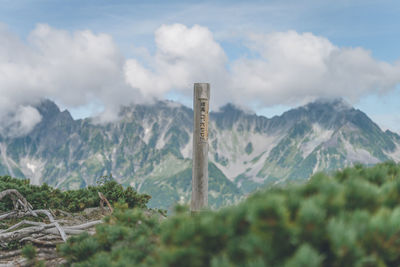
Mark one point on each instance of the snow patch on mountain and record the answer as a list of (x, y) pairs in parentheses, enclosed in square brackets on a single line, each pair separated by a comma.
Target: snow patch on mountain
[(395, 155), (318, 136), (3, 151), (358, 155), (258, 164), (147, 132), (232, 145), (317, 165), (32, 169), (187, 150)]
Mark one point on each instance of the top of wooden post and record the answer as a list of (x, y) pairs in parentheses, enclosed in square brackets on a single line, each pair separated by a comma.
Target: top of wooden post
[(202, 90)]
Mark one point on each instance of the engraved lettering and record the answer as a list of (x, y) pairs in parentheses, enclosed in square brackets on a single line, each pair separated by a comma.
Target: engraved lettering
[(203, 120)]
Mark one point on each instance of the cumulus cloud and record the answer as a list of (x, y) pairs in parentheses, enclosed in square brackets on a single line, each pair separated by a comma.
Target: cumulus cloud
[(295, 68), (71, 68), (291, 68), (183, 56), (19, 122), (79, 68)]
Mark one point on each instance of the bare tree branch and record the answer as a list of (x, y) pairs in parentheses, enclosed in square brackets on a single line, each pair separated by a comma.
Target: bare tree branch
[(57, 225), (41, 234), (18, 200), (104, 199), (22, 223)]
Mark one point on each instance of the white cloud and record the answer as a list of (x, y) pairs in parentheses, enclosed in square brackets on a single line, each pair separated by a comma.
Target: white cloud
[(82, 68), (20, 122), (295, 68), (291, 68), (183, 56), (71, 68)]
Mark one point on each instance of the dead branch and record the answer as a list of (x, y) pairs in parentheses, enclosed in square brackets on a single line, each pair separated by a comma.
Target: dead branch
[(57, 225), (20, 224), (44, 253), (84, 225), (54, 231), (42, 242), (6, 255), (8, 215), (20, 233), (42, 234), (6, 236), (102, 200), (14, 195), (46, 237), (18, 200)]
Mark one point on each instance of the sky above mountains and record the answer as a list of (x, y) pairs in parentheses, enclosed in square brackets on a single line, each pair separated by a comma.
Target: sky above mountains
[(94, 56)]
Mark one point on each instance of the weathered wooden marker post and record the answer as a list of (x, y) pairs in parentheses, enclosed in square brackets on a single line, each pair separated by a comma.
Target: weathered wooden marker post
[(201, 99)]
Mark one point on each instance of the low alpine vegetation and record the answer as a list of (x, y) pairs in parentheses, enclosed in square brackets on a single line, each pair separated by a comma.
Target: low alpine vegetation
[(45, 197), (351, 218), (47, 217)]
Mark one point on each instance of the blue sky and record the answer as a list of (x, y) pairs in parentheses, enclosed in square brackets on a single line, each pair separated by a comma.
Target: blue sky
[(240, 29)]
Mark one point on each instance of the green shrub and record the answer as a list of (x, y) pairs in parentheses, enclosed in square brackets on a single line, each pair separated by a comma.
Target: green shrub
[(44, 196), (350, 219), (29, 252)]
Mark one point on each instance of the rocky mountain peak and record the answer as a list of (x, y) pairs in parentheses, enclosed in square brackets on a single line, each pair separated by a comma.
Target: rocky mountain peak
[(47, 108), (51, 112), (336, 104), (329, 113), (230, 108), (150, 148)]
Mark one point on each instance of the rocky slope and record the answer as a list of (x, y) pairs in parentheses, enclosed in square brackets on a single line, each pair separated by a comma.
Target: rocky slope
[(150, 148)]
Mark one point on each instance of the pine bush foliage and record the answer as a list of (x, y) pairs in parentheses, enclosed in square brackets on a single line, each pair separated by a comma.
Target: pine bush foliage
[(44, 196), (349, 219)]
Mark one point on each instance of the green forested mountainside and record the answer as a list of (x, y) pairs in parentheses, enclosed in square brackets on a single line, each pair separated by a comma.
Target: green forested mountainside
[(149, 148), (351, 218)]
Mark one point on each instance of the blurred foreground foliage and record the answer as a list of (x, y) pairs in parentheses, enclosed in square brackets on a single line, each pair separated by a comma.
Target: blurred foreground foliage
[(349, 219), (45, 197)]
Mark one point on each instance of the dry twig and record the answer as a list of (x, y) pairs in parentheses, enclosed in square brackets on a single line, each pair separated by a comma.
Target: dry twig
[(104, 199)]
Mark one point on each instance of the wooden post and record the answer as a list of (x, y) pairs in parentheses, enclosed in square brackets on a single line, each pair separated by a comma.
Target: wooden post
[(201, 99)]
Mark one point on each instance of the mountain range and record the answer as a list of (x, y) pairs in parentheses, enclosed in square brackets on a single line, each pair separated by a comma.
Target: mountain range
[(150, 148)]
